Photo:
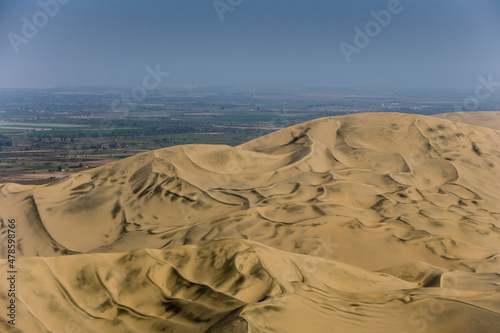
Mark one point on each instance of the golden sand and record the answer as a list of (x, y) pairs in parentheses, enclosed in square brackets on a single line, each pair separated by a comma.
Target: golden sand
[(377, 222)]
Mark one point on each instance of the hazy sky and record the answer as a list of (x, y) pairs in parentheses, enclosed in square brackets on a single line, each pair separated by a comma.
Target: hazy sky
[(427, 43)]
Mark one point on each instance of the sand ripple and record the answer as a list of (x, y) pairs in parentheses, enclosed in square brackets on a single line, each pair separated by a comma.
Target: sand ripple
[(360, 223)]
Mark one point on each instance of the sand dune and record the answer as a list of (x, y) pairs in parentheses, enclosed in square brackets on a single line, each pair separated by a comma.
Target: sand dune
[(361, 223), (240, 286), (490, 119)]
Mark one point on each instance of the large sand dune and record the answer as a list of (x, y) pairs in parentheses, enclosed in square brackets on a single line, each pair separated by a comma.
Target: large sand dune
[(361, 223)]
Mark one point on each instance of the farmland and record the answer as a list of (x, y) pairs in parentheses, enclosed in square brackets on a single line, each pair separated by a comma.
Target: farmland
[(45, 134)]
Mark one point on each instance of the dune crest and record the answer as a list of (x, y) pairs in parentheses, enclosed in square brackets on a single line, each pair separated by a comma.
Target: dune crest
[(343, 224)]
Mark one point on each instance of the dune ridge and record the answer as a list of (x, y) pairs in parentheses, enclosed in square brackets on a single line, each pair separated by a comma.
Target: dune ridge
[(240, 286), (368, 222)]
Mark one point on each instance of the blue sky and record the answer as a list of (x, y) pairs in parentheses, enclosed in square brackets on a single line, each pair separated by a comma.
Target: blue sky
[(427, 44)]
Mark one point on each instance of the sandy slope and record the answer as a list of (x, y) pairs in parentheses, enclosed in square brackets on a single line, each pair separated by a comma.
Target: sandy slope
[(360, 223), (490, 119), (240, 286)]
